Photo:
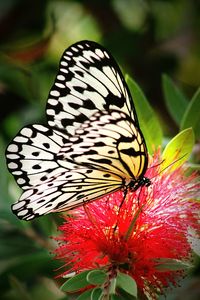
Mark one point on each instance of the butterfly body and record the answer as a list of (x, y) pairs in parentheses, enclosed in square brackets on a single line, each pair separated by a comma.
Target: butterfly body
[(92, 144)]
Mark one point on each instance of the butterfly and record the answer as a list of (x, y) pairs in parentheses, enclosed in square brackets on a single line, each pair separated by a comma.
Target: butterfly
[(92, 144)]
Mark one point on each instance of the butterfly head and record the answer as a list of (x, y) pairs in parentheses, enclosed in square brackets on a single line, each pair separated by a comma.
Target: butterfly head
[(144, 181)]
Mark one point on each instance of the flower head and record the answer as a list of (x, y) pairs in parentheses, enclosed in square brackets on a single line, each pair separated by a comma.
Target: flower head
[(152, 225)]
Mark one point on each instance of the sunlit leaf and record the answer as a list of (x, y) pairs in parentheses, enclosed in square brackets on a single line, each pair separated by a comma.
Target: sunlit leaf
[(178, 149)]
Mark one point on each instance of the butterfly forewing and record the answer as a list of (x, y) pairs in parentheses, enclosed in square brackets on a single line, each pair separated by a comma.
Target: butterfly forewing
[(88, 80), (92, 144)]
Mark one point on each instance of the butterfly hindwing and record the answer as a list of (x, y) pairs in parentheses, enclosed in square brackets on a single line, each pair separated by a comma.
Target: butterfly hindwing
[(49, 183), (109, 141), (31, 154), (64, 191)]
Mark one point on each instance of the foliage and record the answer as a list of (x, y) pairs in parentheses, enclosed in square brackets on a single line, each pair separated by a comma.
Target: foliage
[(146, 42)]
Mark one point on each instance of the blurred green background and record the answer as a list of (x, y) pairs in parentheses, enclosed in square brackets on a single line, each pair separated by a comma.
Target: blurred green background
[(147, 38)]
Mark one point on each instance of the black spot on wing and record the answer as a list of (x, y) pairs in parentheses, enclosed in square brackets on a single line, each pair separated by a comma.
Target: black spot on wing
[(79, 89), (46, 145), (132, 152), (106, 175), (89, 171), (101, 161), (100, 144), (79, 119), (89, 152), (74, 105), (111, 100), (111, 152), (89, 104), (36, 153), (127, 139), (36, 167)]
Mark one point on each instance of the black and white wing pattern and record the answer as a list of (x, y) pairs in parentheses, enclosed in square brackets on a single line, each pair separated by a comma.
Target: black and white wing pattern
[(89, 80), (110, 143), (92, 144)]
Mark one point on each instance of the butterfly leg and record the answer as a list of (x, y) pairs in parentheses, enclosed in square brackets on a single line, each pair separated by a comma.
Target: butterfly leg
[(125, 191)]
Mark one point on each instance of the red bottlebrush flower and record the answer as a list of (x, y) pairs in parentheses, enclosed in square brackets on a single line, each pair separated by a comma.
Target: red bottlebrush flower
[(152, 226)]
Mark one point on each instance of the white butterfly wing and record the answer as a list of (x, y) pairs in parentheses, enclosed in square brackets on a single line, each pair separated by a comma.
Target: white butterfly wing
[(31, 155), (49, 184), (92, 144), (64, 191), (88, 80)]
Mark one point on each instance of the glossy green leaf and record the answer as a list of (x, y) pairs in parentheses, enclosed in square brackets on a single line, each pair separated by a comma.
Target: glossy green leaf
[(96, 277), (127, 283), (85, 295), (76, 282), (175, 100), (96, 294), (178, 149), (191, 118), (112, 287), (148, 121), (169, 264)]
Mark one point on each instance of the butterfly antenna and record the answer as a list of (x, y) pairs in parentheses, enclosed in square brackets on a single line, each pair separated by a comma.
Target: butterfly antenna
[(154, 166), (166, 166)]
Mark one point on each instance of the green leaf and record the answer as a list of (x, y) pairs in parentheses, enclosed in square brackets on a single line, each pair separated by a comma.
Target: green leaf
[(112, 286), (176, 102), (96, 294), (178, 149), (127, 283), (148, 121), (76, 282), (96, 277), (85, 295), (191, 117), (169, 264), (125, 296)]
